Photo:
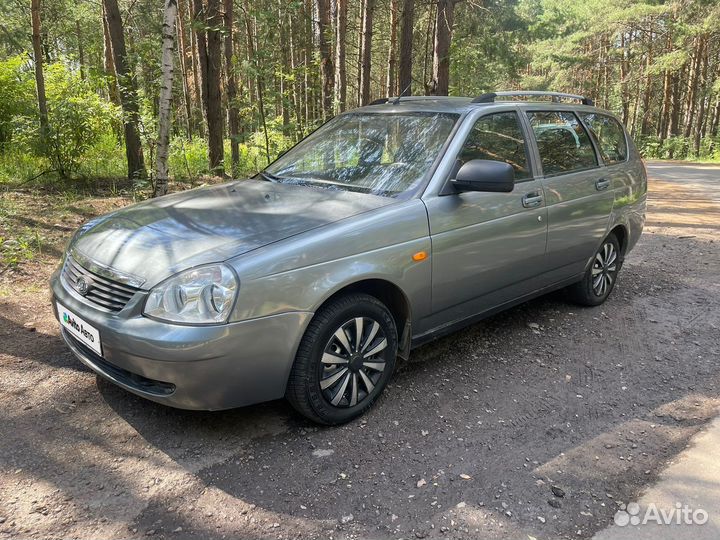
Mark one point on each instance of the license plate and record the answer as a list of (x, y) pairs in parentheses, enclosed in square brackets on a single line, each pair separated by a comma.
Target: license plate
[(79, 328)]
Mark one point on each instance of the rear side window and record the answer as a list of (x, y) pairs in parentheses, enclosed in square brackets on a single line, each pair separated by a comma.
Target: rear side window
[(609, 135), (498, 137), (563, 143)]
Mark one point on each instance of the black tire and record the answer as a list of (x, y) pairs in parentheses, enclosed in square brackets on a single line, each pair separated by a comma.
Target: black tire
[(599, 280), (321, 354)]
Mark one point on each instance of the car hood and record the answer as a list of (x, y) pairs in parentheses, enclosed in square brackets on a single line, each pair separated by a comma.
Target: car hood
[(157, 238)]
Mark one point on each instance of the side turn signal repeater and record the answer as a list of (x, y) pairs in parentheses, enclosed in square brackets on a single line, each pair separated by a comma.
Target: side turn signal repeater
[(420, 256)]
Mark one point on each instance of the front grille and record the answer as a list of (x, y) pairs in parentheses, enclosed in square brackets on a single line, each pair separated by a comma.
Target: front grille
[(103, 292)]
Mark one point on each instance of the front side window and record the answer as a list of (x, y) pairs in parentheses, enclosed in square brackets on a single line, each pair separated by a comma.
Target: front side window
[(385, 154), (498, 137), (563, 143), (609, 136)]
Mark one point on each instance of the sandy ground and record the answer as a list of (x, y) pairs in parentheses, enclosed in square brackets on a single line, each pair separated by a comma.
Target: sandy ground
[(468, 441)]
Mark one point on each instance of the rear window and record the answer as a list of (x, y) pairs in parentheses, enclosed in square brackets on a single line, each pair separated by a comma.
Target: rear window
[(563, 143), (609, 135)]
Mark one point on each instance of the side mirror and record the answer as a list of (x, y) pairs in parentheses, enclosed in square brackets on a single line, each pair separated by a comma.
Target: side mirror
[(485, 175)]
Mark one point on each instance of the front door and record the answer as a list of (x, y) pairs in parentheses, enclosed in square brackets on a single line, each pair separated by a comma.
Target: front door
[(487, 247)]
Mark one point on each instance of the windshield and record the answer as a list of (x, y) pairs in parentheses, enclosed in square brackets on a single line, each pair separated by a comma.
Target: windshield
[(384, 154)]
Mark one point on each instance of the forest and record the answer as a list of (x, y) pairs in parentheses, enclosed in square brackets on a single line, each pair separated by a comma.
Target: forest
[(159, 90)]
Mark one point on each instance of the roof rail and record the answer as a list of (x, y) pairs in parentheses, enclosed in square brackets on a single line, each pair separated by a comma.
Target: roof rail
[(555, 96)]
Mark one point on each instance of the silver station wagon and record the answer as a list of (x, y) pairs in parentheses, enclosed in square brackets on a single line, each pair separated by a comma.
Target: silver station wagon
[(391, 225)]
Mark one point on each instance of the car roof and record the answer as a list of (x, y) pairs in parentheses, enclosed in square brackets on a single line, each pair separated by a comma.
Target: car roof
[(462, 105)]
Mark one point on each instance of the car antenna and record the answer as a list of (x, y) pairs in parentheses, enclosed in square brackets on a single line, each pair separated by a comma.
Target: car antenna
[(397, 99)]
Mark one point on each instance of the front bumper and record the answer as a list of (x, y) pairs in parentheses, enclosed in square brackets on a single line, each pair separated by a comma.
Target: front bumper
[(189, 367)]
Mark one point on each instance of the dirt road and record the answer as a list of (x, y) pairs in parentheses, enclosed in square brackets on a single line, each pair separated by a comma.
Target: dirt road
[(468, 441)]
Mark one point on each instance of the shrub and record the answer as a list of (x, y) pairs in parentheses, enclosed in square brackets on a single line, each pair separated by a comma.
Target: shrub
[(77, 116)]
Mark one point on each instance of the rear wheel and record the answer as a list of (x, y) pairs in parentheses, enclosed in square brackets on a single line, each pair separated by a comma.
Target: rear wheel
[(599, 280), (344, 360)]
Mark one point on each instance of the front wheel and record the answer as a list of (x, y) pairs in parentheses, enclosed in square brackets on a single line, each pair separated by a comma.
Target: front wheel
[(344, 360), (599, 280)]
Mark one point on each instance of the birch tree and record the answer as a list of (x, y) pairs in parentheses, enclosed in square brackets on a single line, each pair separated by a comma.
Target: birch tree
[(166, 86)]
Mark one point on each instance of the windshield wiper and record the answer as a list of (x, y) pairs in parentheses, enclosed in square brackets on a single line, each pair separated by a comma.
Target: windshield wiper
[(269, 177)]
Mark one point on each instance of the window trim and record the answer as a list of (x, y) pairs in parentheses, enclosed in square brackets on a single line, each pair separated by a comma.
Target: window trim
[(597, 142), (528, 156), (598, 158)]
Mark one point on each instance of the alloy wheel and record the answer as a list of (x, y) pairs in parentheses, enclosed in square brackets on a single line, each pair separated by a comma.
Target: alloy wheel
[(352, 362), (604, 269)]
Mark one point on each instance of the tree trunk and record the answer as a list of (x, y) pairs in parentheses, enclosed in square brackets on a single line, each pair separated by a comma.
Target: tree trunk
[(109, 63), (340, 64), (198, 24), (366, 53), (665, 108), (647, 95), (606, 71), (81, 50), (231, 90), (406, 46), (715, 120), (39, 75), (251, 35), (676, 104), (692, 89), (358, 80), (215, 118), (440, 84), (308, 90), (166, 87), (327, 71), (182, 53), (128, 91), (196, 67), (285, 70), (391, 85), (429, 36), (623, 78), (701, 110), (296, 80), (207, 25)]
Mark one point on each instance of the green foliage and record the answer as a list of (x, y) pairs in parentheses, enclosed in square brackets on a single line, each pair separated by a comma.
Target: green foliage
[(104, 158), (78, 118), (188, 159), (17, 93), (680, 148)]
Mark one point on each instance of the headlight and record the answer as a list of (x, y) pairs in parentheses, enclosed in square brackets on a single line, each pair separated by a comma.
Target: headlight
[(203, 295)]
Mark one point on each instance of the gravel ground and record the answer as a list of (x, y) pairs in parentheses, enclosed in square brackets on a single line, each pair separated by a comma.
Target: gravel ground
[(538, 421)]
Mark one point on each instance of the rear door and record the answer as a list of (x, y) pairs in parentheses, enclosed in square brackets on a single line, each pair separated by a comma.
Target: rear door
[(487, 248), (577, 192)]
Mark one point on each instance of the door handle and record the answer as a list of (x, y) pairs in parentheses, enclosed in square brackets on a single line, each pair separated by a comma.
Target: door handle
[(602, 184), (533, 199)]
